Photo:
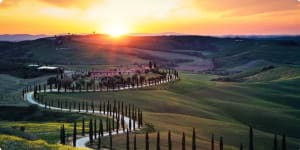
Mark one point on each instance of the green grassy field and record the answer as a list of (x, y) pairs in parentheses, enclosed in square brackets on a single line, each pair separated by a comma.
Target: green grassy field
[(42, 127), (225, 109)]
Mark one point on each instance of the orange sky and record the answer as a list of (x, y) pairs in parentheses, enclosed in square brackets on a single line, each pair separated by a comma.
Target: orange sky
[(209, 17)]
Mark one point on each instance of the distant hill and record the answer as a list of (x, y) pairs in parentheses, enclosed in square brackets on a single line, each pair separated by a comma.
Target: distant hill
[(217, 55), (20, 37)]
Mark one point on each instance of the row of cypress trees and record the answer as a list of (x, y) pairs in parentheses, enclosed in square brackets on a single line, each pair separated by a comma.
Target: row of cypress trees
[(194, 145), (168, 75), (117, 110)]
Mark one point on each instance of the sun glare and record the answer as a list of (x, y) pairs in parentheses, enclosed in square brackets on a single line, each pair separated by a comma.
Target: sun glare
[(116, 30)]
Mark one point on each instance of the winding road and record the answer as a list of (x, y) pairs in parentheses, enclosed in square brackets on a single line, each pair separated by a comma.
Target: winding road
[(81, 142)]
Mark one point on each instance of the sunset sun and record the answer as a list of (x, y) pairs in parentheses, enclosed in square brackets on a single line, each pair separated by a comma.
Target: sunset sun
[(116, 30)]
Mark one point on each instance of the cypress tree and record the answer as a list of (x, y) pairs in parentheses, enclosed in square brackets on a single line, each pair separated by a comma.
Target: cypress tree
[(194, 140), (251, 147), (95, 129), (127, 140), (158, 141), (169, 141), (101, 127), (62, 135), (147, 141), (241, 147), (283, 142), (110, 140), (212, 142), (83, 127), (275, 142), (183, 141), (221, 143), (134, 142), (74, 134), (91, 131), (79, 106), (107, 124)]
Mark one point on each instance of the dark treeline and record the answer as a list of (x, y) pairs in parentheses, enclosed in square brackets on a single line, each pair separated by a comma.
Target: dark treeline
[(115, 109), (215, 144), (60, 85)]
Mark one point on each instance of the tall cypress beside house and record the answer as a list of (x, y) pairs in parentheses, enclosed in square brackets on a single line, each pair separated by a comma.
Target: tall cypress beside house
[(194, 140), (283, 142), (74, 134), (183, 141), (147, 141), (83, 127), (91, 131), (169, 140), (275, 142), (221, 143), (251, 145), (127, 140)]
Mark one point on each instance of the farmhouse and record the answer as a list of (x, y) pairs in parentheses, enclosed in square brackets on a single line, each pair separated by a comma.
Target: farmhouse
[(121, 71)]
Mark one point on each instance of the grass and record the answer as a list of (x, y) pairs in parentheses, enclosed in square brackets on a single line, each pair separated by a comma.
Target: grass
[(40, 124), (225, 109), (17, 143)]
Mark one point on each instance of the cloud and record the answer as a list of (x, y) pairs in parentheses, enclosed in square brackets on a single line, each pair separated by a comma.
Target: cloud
[(246, 7), (72, 3)]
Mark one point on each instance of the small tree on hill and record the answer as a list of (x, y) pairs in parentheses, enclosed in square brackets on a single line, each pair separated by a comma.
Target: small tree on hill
[(147, 141), (183, 141), (283, 142), (91, 131), (169, 141), (194, 140), (74, 134), (158, 141), (275, 142), (251, 145)]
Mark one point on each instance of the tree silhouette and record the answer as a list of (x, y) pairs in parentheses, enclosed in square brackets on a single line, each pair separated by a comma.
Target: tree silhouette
[(62, 135), (127, 140), (101, 127), (91, 131), (194, 140), (169, 140), (95, 129), (147, 141), (241, 147), (275, 142), (134, 142), (158, 141), (221, 143), (183, 141), (251, 147), (74, 134), (283, 142)]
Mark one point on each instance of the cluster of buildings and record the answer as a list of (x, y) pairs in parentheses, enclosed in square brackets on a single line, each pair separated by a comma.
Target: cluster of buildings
[(121, 71)]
